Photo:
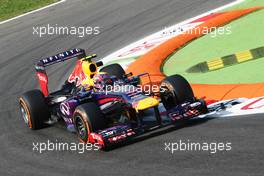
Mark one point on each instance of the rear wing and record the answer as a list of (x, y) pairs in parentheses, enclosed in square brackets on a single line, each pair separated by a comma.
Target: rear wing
[(77, 52), (41, 64)]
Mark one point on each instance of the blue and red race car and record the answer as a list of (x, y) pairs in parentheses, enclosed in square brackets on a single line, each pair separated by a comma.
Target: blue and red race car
[(106, 106)]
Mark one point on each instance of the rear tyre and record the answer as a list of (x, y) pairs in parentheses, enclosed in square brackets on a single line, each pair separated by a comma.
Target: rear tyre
[(88, 118), (175, 90), (34, 109), (114, 70)]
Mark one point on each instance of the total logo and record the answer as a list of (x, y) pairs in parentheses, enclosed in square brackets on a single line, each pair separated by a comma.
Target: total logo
[(42, 77), (65, 108)]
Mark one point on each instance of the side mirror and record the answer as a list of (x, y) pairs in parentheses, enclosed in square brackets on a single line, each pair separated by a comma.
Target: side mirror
[(128, 75), (99, 64)]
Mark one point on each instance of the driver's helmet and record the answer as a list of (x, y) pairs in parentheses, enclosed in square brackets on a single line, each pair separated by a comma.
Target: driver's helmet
[(102, 79)]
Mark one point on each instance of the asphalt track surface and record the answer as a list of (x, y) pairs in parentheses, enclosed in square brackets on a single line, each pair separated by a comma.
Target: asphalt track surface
[(121, 22)]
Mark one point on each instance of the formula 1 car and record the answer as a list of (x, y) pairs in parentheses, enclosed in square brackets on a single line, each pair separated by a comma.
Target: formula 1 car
[(106, 106)]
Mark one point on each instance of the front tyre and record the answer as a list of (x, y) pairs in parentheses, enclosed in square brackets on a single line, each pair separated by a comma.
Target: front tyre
[(114, 70), (88, 118), (34, 109), (175, 90)]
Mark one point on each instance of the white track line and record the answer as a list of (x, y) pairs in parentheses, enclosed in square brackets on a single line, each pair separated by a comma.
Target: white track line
[(34, 11), (114, 54)]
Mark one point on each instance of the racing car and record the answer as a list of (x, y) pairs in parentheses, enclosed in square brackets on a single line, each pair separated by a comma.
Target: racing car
[(105, 106)]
